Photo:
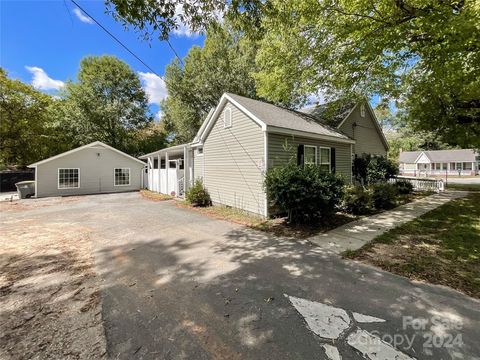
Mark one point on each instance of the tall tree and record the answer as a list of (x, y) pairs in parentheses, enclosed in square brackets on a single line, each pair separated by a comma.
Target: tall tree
[(107, 103), (161, 17), (26, 131), (224, 64), (424, 53)]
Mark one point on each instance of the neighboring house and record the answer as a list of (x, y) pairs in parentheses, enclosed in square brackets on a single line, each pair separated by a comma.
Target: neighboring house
[(439, 162), (242, 138), (91, 169)]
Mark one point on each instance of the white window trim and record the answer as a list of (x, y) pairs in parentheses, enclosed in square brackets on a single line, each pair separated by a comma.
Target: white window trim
[(129, 176), (316, 155), (329, 157), (225, 126), (362, 110), (58, 179)]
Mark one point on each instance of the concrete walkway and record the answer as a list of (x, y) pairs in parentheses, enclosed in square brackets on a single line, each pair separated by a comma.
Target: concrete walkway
[(354, 235)]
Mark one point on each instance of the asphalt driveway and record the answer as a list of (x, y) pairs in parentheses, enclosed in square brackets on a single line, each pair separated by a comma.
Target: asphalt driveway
[(176, 284)]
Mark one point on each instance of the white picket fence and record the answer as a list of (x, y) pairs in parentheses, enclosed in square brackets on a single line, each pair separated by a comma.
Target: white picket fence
[(422, 184)]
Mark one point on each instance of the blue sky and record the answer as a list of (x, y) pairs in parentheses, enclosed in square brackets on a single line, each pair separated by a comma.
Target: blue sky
[(42, 43)]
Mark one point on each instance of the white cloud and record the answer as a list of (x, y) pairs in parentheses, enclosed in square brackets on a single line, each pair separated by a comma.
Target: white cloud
[(42, 81), (318, 97), (154, 87), (184, 30), (82, 17), (158, 115)]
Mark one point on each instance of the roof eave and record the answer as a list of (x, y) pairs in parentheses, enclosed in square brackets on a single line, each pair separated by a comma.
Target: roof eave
[(288, 131)]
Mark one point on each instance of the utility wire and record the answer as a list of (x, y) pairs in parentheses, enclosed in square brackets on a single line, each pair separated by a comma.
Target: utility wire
[(116, 39)]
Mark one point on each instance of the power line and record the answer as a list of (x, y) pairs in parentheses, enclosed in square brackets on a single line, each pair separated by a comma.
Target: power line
[(115, 38)]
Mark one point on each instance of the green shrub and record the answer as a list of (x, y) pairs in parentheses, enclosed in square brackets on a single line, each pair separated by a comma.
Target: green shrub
[(380, 169), (357, 200), (369, 169), (197, 195), (384, 196), (304, 193), (403, 187)]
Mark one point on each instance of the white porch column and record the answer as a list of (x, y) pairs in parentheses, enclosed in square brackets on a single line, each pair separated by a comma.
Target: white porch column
[(186, 168), (149, 173), (159, 158), (167, 168)]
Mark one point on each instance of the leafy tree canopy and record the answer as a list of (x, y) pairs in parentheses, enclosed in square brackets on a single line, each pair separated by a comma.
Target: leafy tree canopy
[(161, 17), (224, 64), (423, 54), (107, 103), (26, 135)]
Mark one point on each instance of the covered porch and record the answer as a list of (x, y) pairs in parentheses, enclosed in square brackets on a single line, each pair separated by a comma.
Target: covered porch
[(165, 170)]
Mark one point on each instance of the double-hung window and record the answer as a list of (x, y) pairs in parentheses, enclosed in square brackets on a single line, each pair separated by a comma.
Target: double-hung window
[(68, 178), (325, 159), (310, 155), (122, 177)]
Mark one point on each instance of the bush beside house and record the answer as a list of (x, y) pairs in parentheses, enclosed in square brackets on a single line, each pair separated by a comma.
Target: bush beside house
[(197, 195), (357, 200), (368, 169), (304, 193)]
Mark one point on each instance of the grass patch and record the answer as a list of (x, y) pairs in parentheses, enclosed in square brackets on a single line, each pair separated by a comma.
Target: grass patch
[(277, 226), (151, 195), (280, 226), (465, 187), (440, 247), (228, 213)]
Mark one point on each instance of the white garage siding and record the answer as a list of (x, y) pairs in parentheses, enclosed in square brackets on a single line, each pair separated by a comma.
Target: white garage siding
[(234, 162), (96, 165)]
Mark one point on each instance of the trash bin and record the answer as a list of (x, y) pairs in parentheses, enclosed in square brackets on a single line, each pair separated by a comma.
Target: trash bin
[(25, 189)]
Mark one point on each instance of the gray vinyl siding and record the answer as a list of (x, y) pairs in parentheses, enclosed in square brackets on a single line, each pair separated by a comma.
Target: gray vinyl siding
[(197, 165), (233, 162), (283, 148), (96, 172), (365, 133)]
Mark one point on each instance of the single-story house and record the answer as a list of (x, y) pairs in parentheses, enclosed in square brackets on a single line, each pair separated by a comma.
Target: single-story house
[(91, 169), (462, 162), (242, 138)]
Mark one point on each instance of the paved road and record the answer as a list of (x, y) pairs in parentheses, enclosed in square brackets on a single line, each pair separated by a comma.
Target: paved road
[(179, 285), (471, 180)]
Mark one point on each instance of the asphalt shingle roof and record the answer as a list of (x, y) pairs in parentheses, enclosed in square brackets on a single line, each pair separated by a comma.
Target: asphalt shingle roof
[(277, 116), (332, 113), (437, 156)]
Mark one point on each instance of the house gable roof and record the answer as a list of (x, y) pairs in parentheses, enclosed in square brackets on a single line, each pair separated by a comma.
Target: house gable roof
[(91, 145), (332, 113), (271, 117), (438, 156), (336, 112)]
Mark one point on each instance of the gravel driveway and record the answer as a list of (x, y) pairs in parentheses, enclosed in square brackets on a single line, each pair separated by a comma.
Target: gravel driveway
[(175, 284)]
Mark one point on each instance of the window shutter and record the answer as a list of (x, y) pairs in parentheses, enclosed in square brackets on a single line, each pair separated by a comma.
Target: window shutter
[(332, 160), (300, 154)]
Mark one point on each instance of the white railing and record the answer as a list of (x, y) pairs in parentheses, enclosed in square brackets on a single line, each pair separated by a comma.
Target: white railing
[(421, 184), (181, 187)]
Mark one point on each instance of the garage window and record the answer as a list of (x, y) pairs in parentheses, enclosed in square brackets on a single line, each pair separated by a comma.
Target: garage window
[(122, 177), (68, 178)]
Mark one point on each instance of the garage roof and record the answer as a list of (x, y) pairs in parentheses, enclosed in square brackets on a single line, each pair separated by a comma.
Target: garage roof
[(95, 143)]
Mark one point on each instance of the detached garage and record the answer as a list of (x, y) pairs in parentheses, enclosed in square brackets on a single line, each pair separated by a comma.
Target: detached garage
[(91, 169)]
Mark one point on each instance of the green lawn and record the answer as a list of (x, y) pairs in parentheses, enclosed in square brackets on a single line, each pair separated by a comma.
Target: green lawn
[(440, 247), (466, 187)]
